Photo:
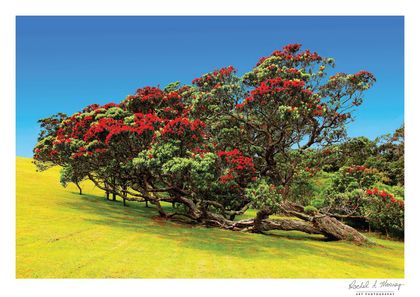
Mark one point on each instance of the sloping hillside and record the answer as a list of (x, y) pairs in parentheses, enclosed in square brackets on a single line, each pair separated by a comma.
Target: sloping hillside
[(60, 234)]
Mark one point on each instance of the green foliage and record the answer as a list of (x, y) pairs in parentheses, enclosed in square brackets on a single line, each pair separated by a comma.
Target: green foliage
[(318, 202), (385, 154), (346, 203), (350, 178), (263, 194), (385, 213), (70, 174), (310, 209), (66, 176), (171, 87)]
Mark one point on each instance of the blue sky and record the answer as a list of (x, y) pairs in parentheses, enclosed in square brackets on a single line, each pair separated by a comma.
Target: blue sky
[(66, 63)]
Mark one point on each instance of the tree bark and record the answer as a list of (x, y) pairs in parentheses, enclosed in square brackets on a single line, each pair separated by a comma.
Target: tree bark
[(124, 195), (290, 225), (328, 226), (336, 230), (262, 215), (80, 189), (162, 213)]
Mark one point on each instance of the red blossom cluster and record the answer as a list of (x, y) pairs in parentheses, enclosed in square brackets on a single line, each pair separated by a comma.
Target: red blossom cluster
[(362, 73), (225, 178), (149, 94), (123, 129), (275, 86), (106, 128), (342, 116), (62, 140), (151, 110), (154, 100), (144, 100), (110, 105), (91, 107), (318, 111), (362, 78), (240, 106), (356, 168), (292, 71), (74, 127), (82, 151), (292, 48), (183, 127), (385, 196), (97, 108), (213, 79), (241, 168), (80, 126), (199, 152), (100, 130), (327, 152), (147, 121), (290, 52), (312, 171), (359, 80)]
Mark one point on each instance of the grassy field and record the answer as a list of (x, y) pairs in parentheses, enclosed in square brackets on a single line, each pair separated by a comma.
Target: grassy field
[(60, 234)]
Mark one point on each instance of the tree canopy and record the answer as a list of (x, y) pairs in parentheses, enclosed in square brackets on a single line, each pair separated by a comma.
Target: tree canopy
[(218, 146)]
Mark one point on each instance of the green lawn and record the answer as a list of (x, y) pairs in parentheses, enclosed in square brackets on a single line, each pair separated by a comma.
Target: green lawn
[(60, 234)]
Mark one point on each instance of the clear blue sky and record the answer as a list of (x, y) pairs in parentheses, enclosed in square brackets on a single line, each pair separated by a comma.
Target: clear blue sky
[(66, 63)]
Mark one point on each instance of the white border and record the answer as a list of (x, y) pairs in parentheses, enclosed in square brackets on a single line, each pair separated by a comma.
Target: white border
[(313, 287)]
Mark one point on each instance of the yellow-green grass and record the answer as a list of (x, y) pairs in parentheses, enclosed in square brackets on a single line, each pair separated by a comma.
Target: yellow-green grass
[(60, 234)]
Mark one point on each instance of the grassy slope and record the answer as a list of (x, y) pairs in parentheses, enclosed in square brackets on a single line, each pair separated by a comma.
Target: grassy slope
[(60, 234)]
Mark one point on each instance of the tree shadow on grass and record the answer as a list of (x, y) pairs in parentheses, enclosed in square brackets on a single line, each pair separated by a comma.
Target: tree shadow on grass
[(138, 218)]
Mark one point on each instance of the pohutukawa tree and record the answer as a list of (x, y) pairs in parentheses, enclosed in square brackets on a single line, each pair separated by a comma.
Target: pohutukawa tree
[(216, 147)]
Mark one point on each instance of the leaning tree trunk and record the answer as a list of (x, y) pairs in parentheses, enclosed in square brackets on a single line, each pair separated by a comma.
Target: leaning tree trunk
[(78, 186), (334, 229), (327, 225), (259, 225), (317, 223)]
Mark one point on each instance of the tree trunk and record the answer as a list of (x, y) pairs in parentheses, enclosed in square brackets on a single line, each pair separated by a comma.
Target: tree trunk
[(162, 213), (258, 221), (334, 229), (290, 225), (114, 196), (80, 189), (124, 195), (328, 226)]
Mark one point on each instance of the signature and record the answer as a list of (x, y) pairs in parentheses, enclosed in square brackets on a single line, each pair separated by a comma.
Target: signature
[(377, 284)]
